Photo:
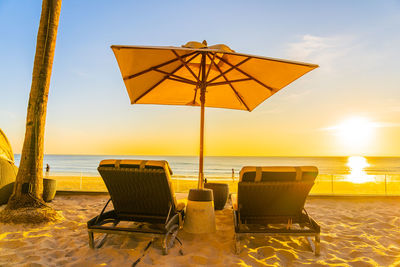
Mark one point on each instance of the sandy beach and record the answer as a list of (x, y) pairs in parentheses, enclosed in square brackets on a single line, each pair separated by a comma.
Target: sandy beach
[(355, 232)]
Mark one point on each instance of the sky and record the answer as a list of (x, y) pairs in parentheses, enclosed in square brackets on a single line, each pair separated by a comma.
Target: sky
[(349, 106)]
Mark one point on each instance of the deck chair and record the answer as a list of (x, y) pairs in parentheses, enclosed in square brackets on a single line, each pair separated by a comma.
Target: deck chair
[(270, 201), (142, 194)]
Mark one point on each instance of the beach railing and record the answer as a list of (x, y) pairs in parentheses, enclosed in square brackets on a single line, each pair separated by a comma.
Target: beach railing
[(371, 184), (325, 184)]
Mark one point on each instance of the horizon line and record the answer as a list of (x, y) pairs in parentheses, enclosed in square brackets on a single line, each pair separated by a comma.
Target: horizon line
[(264, 156)]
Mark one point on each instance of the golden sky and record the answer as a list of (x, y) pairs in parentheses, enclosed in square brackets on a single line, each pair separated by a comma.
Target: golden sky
[(348, 106)]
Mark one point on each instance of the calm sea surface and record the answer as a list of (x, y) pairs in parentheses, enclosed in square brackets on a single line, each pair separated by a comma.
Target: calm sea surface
[(216, 167)]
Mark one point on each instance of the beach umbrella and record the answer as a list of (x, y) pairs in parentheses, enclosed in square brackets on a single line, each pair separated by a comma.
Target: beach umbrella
[(6, 152), (200, 75)]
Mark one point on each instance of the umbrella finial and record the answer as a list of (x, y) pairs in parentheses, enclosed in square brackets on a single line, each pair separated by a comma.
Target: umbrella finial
[(195, 45)]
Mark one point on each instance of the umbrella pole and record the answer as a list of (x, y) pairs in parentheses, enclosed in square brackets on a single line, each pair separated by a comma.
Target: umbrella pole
[(202, 100), (199, 215), (201, 175)]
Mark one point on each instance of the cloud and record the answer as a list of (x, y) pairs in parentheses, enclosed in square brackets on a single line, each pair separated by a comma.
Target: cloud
[(273, 110), (359, 122), (387, 124), (298, 95), (346, 54), (390, 105), (308, 46), (325, 51), (394, 109)]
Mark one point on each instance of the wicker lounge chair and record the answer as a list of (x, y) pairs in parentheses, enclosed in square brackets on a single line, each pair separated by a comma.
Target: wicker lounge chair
[(141, 193), (270, 201)]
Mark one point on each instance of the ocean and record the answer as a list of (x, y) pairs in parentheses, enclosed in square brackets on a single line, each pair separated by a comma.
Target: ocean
[(218, 166)]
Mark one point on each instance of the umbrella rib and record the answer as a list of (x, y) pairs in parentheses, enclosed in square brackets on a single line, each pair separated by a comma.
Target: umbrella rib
[(163, 79), (196, 89), (231, 81), (212, 62), (176, 77), (186, 66), (228, 70), (230, 84), (157, 66), (248, 75), (182, 81), (195, 93)]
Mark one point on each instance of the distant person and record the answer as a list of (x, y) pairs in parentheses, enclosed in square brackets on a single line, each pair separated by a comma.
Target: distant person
[(233, 175), (47, 170)]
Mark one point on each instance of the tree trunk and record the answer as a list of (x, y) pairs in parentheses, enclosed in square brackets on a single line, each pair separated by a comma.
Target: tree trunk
[(28, 187)]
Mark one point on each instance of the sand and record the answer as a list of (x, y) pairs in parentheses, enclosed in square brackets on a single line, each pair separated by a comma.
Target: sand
[(355, 232)]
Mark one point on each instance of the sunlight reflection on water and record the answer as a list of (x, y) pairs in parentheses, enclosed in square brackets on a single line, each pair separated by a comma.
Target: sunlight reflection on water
[(357, 174)]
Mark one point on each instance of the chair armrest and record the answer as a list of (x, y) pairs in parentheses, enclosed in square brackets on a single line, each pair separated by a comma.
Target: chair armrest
[(234, 200)]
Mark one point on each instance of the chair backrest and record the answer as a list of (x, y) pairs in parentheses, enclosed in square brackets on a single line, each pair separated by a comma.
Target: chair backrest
[(278, 173), (274, 191), (139, 187)]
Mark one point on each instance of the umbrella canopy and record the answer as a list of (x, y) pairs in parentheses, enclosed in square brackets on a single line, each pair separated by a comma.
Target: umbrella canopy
[(200, 75), (6, 152)]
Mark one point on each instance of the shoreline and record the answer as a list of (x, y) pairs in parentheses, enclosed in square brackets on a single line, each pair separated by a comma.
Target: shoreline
[(310, 196), (325, 187)]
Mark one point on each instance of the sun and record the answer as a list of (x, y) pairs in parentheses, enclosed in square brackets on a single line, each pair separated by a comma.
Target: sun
[(355, 131)]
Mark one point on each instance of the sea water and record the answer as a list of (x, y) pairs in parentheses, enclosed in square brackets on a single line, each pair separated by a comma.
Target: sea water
[(217, 166)]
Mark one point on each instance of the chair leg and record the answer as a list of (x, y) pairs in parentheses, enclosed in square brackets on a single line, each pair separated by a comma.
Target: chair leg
[(310, 243), (169, 239), (317, 245), (237, 244), (102, 241), (91, 239)]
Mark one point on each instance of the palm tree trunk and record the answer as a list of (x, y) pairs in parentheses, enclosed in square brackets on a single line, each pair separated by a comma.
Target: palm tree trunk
[(28, 187)]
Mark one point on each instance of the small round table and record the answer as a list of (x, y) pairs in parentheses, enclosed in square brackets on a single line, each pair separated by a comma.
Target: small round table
[(220, 194), (49, 189)]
